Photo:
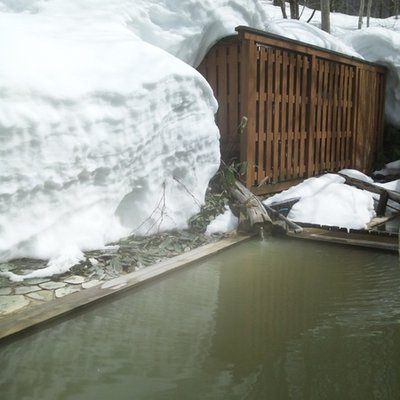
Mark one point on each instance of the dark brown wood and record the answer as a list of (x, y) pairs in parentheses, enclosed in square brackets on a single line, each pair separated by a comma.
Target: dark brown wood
[(308, 109)]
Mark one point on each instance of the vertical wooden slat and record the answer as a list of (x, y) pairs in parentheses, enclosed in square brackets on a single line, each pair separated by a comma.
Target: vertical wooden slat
[(248, 83), (222, 94), (290, 116), (326, 134), (358, 120), (340, 117), (233, 100), (269, 116), (331, 141), (336, 161), (311, 112), (261, 111), (276, 118), (283, 115), (305, 105), (296, 126), (319, 156)]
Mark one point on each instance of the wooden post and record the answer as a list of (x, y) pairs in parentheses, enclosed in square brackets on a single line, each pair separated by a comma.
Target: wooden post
[(248, 89)]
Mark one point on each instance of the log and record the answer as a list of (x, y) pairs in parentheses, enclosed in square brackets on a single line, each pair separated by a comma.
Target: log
[(252, 204)]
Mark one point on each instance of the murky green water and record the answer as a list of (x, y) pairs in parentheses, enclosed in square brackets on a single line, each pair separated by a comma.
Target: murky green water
[(267, 320)]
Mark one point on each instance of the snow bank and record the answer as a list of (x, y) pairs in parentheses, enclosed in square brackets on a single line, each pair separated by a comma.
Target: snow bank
[(103, 131), (382, 46), (223, 223), (101, 134), (326, 200), (185, 28)]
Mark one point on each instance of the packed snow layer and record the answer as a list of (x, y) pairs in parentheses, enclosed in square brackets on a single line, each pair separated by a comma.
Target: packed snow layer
[(326, 200), (101, 135), (303, 32), (185, 28)]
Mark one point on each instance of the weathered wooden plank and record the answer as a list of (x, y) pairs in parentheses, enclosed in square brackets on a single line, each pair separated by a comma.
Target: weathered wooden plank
[(291, 99), (311, 113), (269, 116), (261, 172), (248, 88), (340, 124), (298, 98), (222, 94), (389, 243), (305, 105), (324, 125), (276, 111), (283, 115), (337, 161), (296, 46), (233, 100)]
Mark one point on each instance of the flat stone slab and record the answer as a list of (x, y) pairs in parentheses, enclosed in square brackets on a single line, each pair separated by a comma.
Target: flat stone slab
[(74, 280), (52, 285), (5, 291), (42, 295), (26, 289), (65, 291), (90, 284), (35, 281), (12, 303)]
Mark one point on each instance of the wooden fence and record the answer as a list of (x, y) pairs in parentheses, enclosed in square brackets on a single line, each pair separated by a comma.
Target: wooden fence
[(308, 110)]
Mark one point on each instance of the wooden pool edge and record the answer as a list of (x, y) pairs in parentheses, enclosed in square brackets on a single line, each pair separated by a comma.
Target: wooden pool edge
[(31, 317)]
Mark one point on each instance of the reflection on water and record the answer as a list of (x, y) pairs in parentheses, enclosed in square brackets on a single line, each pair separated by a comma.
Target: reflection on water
[(267, 320)]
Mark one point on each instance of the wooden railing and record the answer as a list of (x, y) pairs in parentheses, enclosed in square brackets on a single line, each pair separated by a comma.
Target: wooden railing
[(308, 110)]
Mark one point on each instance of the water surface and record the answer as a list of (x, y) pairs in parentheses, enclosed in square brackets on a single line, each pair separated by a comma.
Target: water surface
[(279, 319)]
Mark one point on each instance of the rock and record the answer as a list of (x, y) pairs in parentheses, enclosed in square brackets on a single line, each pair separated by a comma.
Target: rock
[(42, 295), (52, 285), (92, 283), (93, 261), (75, 280), (9, 304), (35, 281), (65, 291), (5, 291), (26, 289)]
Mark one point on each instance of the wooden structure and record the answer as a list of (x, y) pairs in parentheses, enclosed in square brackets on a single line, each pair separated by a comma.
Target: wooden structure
[(308, 110)]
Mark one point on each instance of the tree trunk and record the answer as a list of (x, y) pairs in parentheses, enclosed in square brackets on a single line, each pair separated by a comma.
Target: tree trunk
[(361, 14), (281, 4), (369, 6), (294, 9), (325, 16)]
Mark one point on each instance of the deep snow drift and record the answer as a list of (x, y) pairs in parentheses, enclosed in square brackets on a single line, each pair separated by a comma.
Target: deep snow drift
[(103, 130), (103, 134)]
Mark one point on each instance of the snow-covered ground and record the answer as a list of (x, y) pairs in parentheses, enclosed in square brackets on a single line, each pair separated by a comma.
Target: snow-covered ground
[(106, 128)]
